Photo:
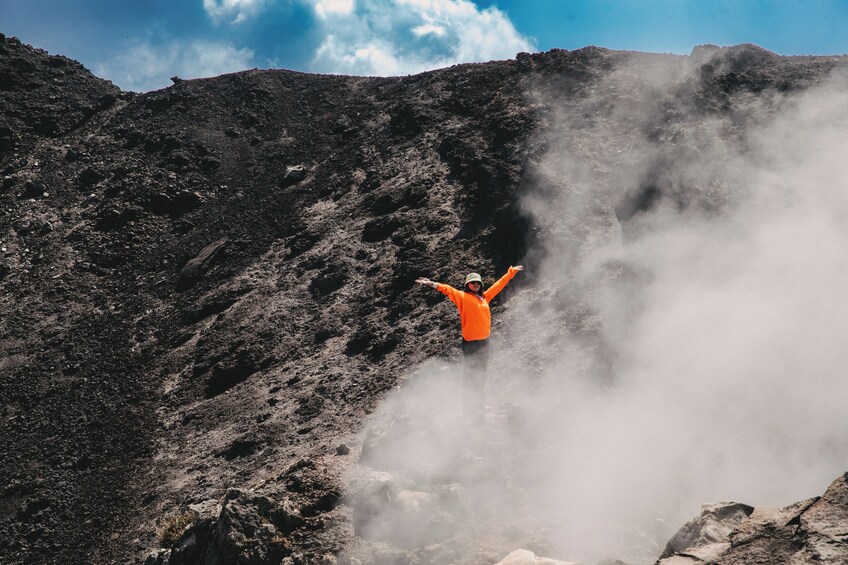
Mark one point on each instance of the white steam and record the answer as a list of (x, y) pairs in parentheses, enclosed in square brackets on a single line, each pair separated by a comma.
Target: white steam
[(693, 353)]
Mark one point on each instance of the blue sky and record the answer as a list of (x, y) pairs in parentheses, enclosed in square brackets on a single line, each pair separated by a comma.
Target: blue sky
[(139, 44)]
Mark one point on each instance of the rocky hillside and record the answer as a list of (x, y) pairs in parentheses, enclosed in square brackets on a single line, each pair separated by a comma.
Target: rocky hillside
[(207, 289)]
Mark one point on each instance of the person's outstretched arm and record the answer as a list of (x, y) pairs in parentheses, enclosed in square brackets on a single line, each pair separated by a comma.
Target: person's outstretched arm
[(499, 285), (446, 289), (427, 282)]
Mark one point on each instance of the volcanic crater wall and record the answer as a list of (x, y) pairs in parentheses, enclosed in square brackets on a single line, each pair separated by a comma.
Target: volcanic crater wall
[(206, 289)]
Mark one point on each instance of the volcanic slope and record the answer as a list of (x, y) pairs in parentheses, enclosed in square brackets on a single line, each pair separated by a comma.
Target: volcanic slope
[(207, 288)]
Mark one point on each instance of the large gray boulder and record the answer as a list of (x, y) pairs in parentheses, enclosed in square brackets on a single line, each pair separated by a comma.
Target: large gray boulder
[(810, 531), (708, 533)]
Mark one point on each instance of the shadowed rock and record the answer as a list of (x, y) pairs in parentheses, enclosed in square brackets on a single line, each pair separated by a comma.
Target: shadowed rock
[(196, 267), (227, 374)]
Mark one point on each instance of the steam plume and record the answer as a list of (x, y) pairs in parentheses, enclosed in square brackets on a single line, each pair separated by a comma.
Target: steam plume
[(683, 343)]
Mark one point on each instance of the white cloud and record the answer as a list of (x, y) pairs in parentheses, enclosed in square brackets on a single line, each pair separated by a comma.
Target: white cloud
[(362, 59), (429, 29), (327, 8), (233, 11), (370, 37), (148, 66)]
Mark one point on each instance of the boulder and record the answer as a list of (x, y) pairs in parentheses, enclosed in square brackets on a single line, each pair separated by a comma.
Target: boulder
[(328, 281), (34, 189), (196, 267), (90, 177), (379, 229), (230, 372), (826, 524), (210, 164), (293, 175), (810, 531), (525, 557), (185, 201), (384, 511), (159, 557), (243, 532), (344, 126), (712, 525)]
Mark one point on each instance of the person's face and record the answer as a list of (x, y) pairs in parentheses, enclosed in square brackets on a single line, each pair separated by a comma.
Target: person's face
[(475, 286)]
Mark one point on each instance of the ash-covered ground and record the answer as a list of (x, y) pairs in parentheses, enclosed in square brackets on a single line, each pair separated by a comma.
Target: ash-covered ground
[(207, 291)]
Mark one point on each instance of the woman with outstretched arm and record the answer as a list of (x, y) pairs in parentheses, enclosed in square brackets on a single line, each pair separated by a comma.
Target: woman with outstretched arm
[(475, 317)]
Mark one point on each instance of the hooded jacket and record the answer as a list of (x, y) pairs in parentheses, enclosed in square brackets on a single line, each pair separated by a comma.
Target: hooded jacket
[(474, 313)]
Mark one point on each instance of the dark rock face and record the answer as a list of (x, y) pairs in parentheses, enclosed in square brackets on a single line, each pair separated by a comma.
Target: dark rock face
[(255, 529), (204, 285), (246, 531), (229, 373), (46, 95)]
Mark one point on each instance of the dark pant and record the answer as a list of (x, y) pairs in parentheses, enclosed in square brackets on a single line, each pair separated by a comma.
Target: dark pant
[(475, 358), (475, 354)]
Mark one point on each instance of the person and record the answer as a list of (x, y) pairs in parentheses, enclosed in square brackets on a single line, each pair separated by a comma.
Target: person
[(475, 318)]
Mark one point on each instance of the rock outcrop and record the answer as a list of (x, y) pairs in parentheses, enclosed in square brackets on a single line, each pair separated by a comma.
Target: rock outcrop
[(809, 531)]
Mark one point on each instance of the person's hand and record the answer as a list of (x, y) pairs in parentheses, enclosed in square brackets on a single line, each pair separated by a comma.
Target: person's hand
[(425, 282), (517, 268)]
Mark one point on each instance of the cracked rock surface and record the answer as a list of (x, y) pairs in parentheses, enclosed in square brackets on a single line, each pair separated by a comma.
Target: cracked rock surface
[(809, 531)]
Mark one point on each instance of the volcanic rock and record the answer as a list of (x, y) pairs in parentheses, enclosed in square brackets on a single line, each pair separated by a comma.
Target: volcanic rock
[(712, 526), (809, 531), (195, 268), (293, 175), (89, 177), (227, 374), (241, 533), (34, 189)]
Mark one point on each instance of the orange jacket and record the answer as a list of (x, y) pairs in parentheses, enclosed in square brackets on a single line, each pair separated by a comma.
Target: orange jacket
[(474, 311)]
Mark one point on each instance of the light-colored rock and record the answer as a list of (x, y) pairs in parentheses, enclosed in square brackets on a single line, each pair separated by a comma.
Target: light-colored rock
[(293, 175), (708, 553), (764, 519), (827, 521), (206, 509), (415, 501), (407, 518), (712, 525), (526, 557)]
